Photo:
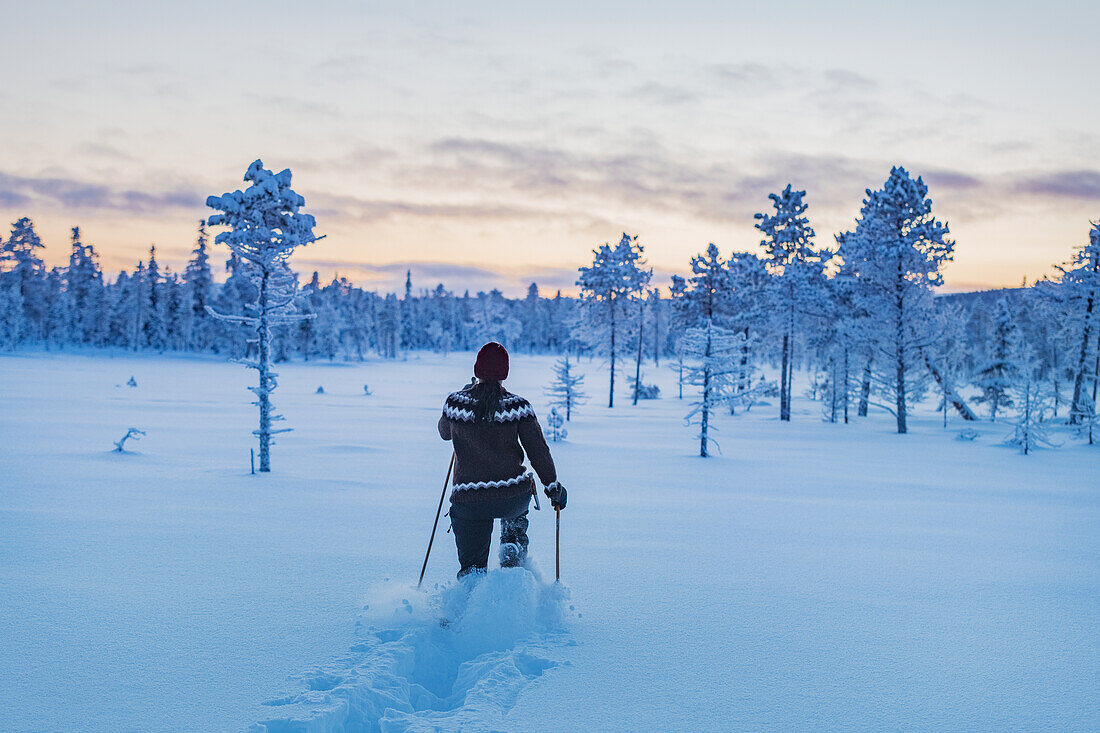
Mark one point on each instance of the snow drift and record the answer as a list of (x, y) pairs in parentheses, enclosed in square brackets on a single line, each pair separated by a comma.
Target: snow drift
[(456, 659)]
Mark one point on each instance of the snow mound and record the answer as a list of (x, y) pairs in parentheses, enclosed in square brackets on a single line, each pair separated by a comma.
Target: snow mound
[(456, 659)]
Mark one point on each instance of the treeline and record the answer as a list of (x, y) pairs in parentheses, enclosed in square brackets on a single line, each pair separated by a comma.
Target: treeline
[(153, 308), (859, 315)]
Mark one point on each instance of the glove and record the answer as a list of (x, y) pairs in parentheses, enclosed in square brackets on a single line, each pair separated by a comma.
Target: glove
[(557, 495)]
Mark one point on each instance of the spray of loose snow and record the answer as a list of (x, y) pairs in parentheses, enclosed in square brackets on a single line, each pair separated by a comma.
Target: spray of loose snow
[(453, 659)]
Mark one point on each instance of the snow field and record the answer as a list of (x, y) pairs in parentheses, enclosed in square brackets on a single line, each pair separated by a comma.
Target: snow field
[(810, 576)]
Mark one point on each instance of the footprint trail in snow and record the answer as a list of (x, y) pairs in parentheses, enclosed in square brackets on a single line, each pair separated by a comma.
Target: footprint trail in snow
[(456, 659)]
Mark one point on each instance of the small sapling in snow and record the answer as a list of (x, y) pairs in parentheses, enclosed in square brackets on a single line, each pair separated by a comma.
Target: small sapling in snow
[(131, 433)]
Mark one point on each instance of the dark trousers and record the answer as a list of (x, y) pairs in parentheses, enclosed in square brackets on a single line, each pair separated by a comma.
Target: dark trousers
[(472, 524)]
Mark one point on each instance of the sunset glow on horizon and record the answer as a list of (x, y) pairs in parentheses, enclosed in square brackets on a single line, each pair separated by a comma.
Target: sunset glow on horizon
[(496, 144)]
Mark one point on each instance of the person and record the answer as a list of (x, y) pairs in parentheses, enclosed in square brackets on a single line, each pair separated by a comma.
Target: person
[(491, 429)]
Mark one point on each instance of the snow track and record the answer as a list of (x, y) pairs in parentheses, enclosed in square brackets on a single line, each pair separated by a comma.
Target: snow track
[(457, 659)]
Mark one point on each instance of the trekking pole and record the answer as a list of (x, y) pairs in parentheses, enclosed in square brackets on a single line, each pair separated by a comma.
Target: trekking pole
[(436, 523), (557, 545)]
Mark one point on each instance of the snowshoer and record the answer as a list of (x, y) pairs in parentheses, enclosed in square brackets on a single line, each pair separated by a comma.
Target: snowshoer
[(491, 429)]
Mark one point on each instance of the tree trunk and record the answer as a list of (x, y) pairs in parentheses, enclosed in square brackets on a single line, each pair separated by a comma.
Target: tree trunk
[(705, 415), (1079, 377), (638, 365), (784, 365), (657, 333), (264, 392), (611, 390), (680, 380), (900, 396), (865, 387), (847, 386), (832, 392), (956, 400)]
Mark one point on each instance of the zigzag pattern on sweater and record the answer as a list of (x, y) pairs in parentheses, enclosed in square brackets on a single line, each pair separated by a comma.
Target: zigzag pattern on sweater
[(456, 408), (474, 485)]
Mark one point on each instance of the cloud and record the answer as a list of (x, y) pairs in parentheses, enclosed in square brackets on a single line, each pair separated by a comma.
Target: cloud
[(70, 193), (455, 277), (102, 150), (1078, 184), (663, 94), (370, 210), (949, 179), (295, 105)]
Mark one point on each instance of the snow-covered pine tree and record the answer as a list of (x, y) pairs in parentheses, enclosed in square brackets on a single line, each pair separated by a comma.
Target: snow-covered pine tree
[(83, 288), (716, 352), (896, 253), (156, 329), (636, 384), (946, 359), (607, 285), (997, 374), (1029, 395), (11, 313), (1081, 285), (566, 391), (265, 227), (200, 289), (713, 351), (140, 306), (555, 426), (653, 302), (797, 269), (748, 315), (177, 316), (19, 257), (677, 324), (59, 315)]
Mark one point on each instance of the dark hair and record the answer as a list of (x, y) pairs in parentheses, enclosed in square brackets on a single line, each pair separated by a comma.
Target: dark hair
[(488, 393)]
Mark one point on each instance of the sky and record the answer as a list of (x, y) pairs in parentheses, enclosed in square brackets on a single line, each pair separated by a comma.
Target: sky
[(491, 144)]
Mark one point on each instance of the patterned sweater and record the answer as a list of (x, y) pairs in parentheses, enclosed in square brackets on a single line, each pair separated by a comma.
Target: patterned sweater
[(489, 456)]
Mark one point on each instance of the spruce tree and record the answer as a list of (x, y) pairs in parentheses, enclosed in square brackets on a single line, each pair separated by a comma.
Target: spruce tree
[(616, 275), (566, 390), (155, 329), (200, 289), (265, 227), (896, 254), (797, 268), (998, 373), (19, 256)]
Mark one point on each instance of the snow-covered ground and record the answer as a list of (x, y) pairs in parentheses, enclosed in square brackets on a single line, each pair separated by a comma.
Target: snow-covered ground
[(812, 576)]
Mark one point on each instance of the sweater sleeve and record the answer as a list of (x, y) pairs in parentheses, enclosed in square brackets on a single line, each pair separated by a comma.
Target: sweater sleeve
[(534, 444), (444, 427)]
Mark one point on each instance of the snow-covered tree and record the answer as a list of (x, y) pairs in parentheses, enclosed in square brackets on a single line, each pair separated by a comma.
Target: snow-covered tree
[(715, 355), (798, 271), (946, 360), (1081, 285), (200, 289), (616, 275), (155, 329), (998, 373), (566, 391), (83, 288), (555, 426), (1030, 396), (11, 314), (636, 383), (712, 351), (896, 254), (654, 303), (19, 259), (265, 227), (59, 314)]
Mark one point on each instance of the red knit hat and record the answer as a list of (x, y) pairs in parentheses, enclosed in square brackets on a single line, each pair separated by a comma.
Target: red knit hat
[(492, 362)]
